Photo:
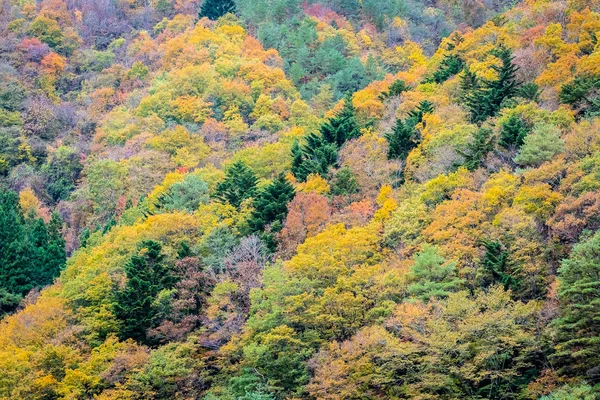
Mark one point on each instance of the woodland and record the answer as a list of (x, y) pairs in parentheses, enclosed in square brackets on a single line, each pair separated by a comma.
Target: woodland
[(299, 199)]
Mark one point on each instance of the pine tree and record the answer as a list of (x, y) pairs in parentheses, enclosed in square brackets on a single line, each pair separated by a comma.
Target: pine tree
[(577, 330), (239, 184), (451, 65), (482, 144), (317, 156), (215, 9), (484, 99), (32, 253), (345, 183), (432, 276), (270, 205), (147, 275), (401, 140), (404, 135), (343, 126), (495, 266), (513, 132)]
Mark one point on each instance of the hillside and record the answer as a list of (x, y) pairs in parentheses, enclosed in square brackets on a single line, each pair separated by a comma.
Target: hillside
[(287, 199)]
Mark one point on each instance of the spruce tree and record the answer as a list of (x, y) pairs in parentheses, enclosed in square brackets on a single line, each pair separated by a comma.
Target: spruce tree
[(147, 275), (317, 156), (270, 205), (451, 65), (485, 101), (343, 126), (401, 140), (478, 148), (404, 135), (513, 132), (432, 276), (32, 253), (239, 184), (495, 266), (215, 9), (577, 330)]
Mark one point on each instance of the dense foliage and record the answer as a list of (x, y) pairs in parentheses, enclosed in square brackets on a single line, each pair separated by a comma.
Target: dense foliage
[(289, 199)]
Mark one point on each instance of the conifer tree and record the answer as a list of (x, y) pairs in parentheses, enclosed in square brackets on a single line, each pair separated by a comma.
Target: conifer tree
[(432, 276), (317, 156), (478, 148), (215, 9), (401, 140), (450, 66), (513, 132), (404, 135), (495, 266), (239, 184), (32, 253), (147, 275), (270, 205), (343, 126), (577, 329), (486, 101)]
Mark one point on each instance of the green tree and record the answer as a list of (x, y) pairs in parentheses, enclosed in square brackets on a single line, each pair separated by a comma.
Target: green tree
[(513, 132), (32, 253), (485, 99), (343, 126), (186, 195), (147, 275), (478, 148), (451, 65), (495, 266), (540, 145), (316, 156), (239, 184), (404, 136), (577, 330), (432, 276), (270, 205), (345, 183), (215, 9), (582, 94)]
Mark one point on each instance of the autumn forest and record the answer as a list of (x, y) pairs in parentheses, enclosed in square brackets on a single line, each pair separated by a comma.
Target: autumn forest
[(299, 199)]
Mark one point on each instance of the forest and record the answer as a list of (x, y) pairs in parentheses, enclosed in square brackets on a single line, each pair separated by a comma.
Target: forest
[(299, 199)]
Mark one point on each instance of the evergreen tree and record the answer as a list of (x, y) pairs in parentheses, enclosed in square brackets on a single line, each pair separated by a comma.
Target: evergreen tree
[(401, 140), (478, 148), (343, 126), (495, 266), (215, 9), (582, 94), (345, 183), (270, 205), (147, 275), (395, 89), (32, 253), (513, 132), (432, 276), (404, 135), (451, 65), (577, 330), (317, 156), (486, 101), (239, 184)]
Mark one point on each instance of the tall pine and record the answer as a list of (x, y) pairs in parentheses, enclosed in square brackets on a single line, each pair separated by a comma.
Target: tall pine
[(32, 253), (270, 205), (215, 9), (147, 275), (239, 184), (343, 126), (485, 101), (577, 330)]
